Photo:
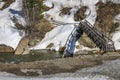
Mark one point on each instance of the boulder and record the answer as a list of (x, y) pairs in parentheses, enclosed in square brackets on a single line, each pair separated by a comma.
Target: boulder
[(22, 46), (6, 49)]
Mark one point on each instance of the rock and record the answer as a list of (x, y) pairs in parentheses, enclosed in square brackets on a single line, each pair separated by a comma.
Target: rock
[(50, 45), (6, 49), (22, 46), (26, 51)]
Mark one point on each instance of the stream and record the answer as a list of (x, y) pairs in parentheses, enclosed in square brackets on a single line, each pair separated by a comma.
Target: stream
[(36, 55), (109, 70)]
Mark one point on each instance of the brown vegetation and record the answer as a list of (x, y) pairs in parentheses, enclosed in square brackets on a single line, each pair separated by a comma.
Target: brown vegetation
[(37, 32), (61, 49), (43, 27), (65, 10), (50, 45), (80, 15), (105, 15)]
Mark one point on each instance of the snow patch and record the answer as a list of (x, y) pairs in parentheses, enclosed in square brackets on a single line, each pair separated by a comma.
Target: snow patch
[(59, 34), (6, 76), (116, 34), (9, 34), (116, 40), (1, 4)]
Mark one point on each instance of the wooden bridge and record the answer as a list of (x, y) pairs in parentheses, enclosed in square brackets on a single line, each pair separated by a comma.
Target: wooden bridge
[(104, 43), (101, 41)]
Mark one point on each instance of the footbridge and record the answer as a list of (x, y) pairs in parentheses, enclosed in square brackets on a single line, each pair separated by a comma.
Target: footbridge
[(101, 41)]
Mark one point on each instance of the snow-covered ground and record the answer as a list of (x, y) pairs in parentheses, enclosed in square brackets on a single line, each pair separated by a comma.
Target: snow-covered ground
[(9, 34), (58, 36), (110, 70), (98, 77), (116, 35)]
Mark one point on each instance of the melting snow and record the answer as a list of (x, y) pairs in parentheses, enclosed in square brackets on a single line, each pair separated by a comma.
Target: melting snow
[(116, 34), (1, 4), (59, 78), (9, 35), (59, 34)]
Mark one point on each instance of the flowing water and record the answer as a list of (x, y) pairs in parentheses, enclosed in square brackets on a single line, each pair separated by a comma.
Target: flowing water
[(36, 55), (109, 70)]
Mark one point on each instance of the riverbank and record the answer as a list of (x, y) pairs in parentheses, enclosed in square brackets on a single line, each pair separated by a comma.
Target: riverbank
[(60, 65)]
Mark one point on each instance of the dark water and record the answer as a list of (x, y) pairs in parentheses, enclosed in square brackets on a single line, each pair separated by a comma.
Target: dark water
[(32, 56)]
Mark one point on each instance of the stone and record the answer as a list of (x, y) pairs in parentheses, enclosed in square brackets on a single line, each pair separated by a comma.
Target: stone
[(6, 49), (22, 46)]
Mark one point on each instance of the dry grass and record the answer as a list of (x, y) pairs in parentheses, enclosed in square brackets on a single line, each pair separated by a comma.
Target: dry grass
[(105, 15), (37, 33), (43, 27), (65, 11), (80, 15)]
